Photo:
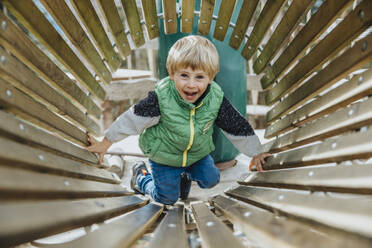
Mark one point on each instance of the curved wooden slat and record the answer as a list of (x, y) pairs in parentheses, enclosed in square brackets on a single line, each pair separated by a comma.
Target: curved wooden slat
[(89, 17), (151, 18), (287, 24), (206, 14), (354, 179), (319, 22), (111, 15), (339, 38), (350, 60), (342, 148), (133, 19), (223, 20), (241, 26), (30, 16), (72, 29), (15, 40), (23, 222), (267, 16), (187, 15), (170, 16)]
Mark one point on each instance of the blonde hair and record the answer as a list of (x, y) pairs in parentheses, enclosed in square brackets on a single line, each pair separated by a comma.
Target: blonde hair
[(195, 52)]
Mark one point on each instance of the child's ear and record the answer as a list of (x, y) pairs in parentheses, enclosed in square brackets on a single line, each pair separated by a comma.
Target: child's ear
[(171, 76)]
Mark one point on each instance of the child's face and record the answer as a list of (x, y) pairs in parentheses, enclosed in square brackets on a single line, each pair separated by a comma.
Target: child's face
[(190, 84)]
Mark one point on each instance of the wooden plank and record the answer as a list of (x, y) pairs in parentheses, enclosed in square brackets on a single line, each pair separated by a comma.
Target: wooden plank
[(115, 25), (30, 16), (287, 24), (66, 20), (223, 20), (10, 97), (339, 38), (319, 22), (122, 232), (350, 215), (269, 231), (346, 119), (358, 87), (354, 179), (23, 222), (350, 60), (170, 16), (342, 148), (213, 231), (263, 23), (187, 16), (15, 40), (91, 21), (18, 184), (241, 26), (19, 75), (151, 18), (42, 161), (11, 126), (133, 20), (172, 227), (206, 15)]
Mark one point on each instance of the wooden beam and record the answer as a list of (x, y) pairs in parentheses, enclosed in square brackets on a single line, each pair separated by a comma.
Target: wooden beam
[(358, 87), (187, 15), (338, 39), (115, 25), (266, 18), (241, 26), (223, 20), (172, 227), (350, 216), (346, 119), (25, 221), (319, 22), (213, 231), (350, 60), (170, 16), (91, 21), (151, 18), (287, 24), (30, 16), (66, 20), (344, 147), (268, 230), (16, 41), (206, 16), (134, 22)]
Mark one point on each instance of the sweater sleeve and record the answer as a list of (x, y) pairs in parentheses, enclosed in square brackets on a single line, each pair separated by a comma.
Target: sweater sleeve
[(237, 129), (144, 114)]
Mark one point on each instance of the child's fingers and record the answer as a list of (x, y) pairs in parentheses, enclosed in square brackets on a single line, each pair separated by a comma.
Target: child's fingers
[(100, 158), (259, 166)]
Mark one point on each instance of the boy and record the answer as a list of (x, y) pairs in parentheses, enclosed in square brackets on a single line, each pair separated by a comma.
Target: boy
[(176, 125)]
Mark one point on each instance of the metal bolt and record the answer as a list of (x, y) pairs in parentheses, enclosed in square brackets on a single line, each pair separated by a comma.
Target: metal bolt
[(21, 127), (360, 80), (41, 157), (281, 197), (124, 45), (210, 223), (8, 93), (247, 214), (351, 112), (66, 183), (311, 173), (187, 20), (334, 145), (153, 26), (3, 59), (171, 225), (220, 27), (236, 36), (364, 46), (361, 14), (204, 22), (138, 33), (99, 204), (170, 20), (259, 61), (249, 47), (4, 25)]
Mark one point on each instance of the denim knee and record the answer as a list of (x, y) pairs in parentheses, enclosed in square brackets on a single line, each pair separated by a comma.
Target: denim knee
[(212, 182), (165, 199)]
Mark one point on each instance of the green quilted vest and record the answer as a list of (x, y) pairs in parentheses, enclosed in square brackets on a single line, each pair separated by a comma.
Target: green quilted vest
[(184, 132)]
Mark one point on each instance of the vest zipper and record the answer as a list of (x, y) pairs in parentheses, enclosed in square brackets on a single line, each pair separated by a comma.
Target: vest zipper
[(192, 133)]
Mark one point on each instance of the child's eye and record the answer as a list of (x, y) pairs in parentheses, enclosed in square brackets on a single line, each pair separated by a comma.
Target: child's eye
[(183, 75), (200, 77)]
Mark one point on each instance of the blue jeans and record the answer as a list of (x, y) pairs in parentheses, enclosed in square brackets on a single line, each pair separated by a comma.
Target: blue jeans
[(163, 183)]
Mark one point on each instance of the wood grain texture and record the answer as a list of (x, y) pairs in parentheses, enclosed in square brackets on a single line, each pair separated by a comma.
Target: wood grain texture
[(223, 20), (206, 15), (170, 16), (151, 18), (133, 19)]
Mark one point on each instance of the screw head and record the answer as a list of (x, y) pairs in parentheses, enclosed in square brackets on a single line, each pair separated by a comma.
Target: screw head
[(364, 46), (153, 26), (3, 59), (351, 112), (170, 20), (311, 173), (247, 214), (4, 25), (171, 225), (281, 197), (204, 22), (220, 27), (360, 80), (187, 19), (210, 223), (361, 14), (41, 157), (8, 93), (66, 183), (21, 127), (334, 145)]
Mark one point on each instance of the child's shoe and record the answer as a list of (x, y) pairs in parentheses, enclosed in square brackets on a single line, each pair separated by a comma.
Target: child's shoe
[(138, 169), (185, 186)]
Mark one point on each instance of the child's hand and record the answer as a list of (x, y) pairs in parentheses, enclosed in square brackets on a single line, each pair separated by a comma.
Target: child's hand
[(98, 147), (258, 160)]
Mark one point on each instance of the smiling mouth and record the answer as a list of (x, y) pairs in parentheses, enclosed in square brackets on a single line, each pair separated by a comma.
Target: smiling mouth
[(190, 94)]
